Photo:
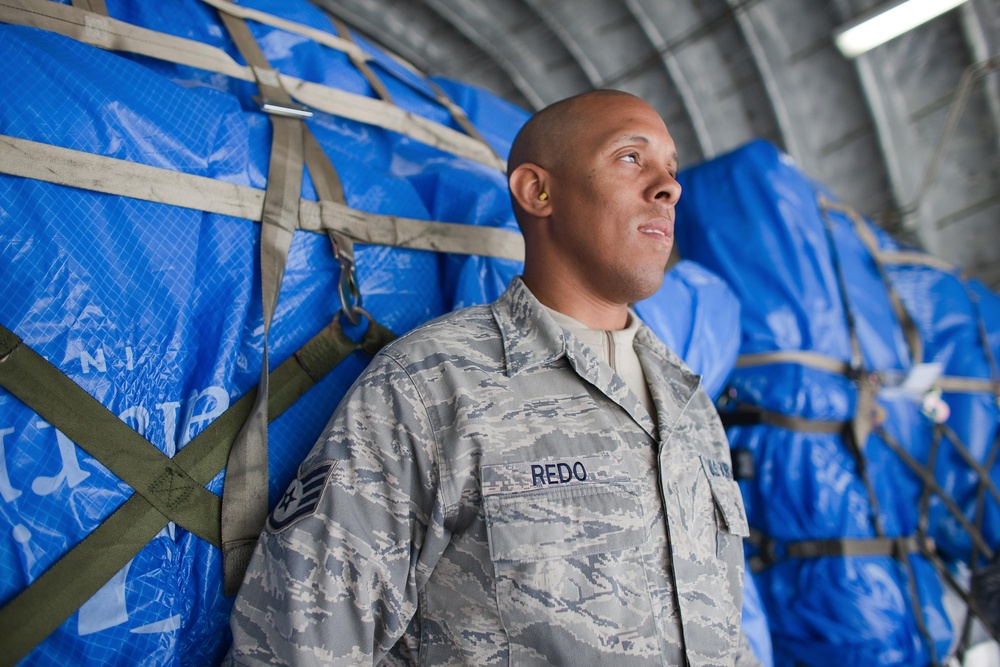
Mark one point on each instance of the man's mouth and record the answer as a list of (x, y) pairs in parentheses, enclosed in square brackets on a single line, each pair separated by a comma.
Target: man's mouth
[(663, 234)]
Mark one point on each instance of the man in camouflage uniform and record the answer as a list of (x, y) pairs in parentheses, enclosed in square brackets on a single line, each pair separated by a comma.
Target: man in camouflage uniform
[(491, 491)]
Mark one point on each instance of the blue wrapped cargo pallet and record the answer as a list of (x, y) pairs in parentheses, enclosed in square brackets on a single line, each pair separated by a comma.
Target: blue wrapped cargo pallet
[(860, 501), (139, 162)]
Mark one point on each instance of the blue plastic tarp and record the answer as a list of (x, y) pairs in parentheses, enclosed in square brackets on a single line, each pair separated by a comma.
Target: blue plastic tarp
[(754, 219)]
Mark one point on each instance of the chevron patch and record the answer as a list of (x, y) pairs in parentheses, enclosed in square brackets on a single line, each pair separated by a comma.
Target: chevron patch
[(302, 497)]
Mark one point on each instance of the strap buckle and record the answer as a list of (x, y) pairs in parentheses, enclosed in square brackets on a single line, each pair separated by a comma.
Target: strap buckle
[(283, 109), (347, 287)]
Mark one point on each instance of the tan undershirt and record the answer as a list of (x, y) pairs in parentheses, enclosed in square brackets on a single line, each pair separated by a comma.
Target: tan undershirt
[(615, 347)]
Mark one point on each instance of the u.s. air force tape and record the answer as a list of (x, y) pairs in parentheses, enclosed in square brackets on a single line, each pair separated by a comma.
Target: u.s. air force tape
[(302, 497)]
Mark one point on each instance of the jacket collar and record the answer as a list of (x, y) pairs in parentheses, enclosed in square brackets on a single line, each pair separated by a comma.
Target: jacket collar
[(530, 335), (532, 338)]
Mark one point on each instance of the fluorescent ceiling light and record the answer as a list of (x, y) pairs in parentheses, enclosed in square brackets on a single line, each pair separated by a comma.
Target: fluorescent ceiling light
[(888, 22)]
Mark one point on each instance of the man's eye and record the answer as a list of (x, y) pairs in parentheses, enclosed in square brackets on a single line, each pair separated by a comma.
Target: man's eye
[(631, 157)]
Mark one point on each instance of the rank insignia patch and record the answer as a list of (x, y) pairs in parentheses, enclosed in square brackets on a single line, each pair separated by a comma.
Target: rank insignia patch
[(302, 497)]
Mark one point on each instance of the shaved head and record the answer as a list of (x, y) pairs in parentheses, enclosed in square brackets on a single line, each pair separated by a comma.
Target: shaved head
[(547, 138), (593, 186)]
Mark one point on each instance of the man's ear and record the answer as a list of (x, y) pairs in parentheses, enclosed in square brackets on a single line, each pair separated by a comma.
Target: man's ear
[(529, 188)]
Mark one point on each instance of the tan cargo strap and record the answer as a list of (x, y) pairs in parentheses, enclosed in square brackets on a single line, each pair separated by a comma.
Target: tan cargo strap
[(822, 362), (65, 166), (360, 62), (928, 480), (970, 602), (801, 357), (112, 34), (319, 36), (864, 232), (57, 593), (245, 488), (96, 6), (966, 385), (911, 258), (746, 415), (770, 551), (360, 58)]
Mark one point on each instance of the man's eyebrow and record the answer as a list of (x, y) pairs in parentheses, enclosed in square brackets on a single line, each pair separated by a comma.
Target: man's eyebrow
[(637, 139)]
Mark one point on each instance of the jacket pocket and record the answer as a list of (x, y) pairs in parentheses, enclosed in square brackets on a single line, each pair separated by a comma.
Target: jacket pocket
[(570, 574), (560, 523), (730, 514)]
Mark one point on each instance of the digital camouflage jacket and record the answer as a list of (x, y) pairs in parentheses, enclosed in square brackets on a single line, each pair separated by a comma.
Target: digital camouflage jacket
[(491, 493)]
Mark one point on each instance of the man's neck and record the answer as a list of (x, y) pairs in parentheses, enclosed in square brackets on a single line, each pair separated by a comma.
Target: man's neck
[(578, 303)]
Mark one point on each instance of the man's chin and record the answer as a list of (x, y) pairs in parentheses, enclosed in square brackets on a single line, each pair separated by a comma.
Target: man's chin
[(641, 287)]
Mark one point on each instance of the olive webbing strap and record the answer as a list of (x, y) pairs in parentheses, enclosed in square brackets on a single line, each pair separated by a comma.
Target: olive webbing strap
[(897, 547), (923, 513), (111, 34), (982, 470), (923, 524), (746, 415), (928, 479), (360, 61), (968, 599), (861, 424), (95, 6), (244, 493), (916, 606), (801, 357), (57, 593), (99, 432), (913, 340)]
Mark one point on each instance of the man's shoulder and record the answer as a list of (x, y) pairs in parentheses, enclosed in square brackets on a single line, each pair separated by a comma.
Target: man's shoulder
[(459, 333)]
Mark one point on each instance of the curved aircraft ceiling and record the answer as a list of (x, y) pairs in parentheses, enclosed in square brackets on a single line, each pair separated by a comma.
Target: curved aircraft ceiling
[(722, 72)]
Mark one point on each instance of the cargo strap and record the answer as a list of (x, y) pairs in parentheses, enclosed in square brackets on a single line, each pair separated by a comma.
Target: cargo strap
[(868, 418), (57, 593), (909, 258), (899, 548), (927, 477), (112, 34), (345, 43), (946, 383), (99, 432), (800, 357), (244, 492), (359, 60), (748, 415), (770, 551), (864, 232), (96, 6), (98, 173), (244, 507)]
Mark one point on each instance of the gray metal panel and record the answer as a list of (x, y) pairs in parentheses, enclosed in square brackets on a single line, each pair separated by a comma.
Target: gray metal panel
[(710, 53), (911, 83), (723, 72), (414, 32)]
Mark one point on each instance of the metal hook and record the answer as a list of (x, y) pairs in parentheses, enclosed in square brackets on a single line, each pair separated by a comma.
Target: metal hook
[(347, 286)]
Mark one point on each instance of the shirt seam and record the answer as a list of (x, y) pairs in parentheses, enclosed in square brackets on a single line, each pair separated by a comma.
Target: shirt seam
[(441, 467)]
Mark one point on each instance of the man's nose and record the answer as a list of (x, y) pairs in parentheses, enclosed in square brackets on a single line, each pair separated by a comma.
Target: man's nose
[(666, 189)]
